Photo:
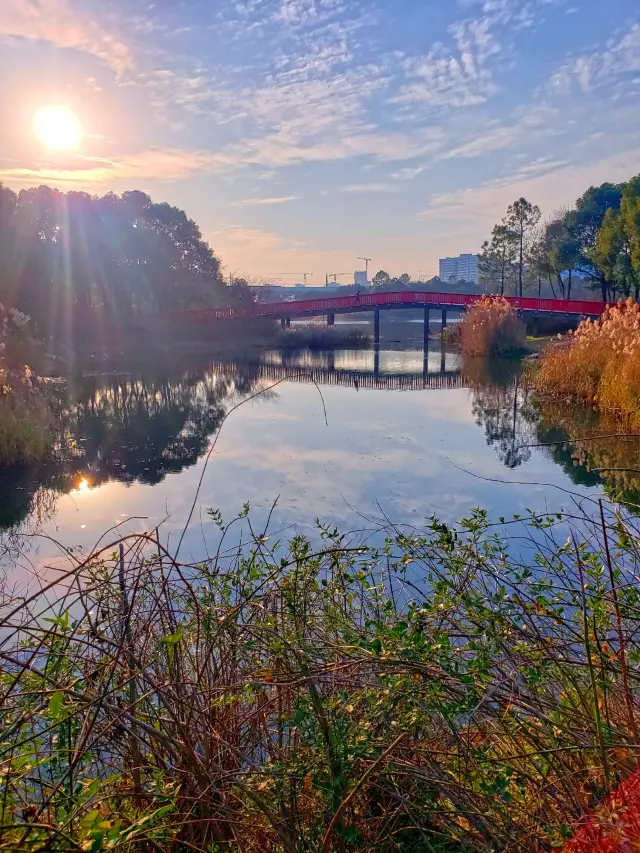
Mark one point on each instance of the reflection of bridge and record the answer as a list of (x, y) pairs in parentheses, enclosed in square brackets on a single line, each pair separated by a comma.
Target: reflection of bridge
[(350, 378), (375, 302)]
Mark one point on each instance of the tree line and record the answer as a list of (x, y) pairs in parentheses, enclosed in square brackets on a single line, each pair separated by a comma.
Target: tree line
[(597, 240), (72, 255)]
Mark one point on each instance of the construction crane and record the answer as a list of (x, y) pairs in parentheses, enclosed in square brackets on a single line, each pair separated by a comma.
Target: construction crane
[(304, 274), (335, 276), (367, 261)]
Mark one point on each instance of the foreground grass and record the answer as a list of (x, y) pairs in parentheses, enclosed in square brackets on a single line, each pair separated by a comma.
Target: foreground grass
[(26, 418), (468, 688)]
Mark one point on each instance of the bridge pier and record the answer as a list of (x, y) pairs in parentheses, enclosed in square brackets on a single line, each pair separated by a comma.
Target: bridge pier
[(376, 328), (444, 319), (331, 319), (285, 322), (427, 314)]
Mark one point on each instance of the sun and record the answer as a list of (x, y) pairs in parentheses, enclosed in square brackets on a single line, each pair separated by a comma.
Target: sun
[(58, 127)]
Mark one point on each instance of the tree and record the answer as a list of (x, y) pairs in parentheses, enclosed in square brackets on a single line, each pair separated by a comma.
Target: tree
[(584, 222), (612, 254), (520, 222), (404, 279), (381, 279), (497, 258), (630, 215), (66, 256)]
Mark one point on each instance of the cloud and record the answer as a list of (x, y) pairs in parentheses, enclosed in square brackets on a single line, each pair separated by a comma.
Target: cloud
[(56, 21), (164, 164), (259, 201), (444, 78), (408, 174), (547, 182), (370, 188), (621, 55)]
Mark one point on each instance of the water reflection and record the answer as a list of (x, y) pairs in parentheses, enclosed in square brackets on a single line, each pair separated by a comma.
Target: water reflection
[(142, 427)]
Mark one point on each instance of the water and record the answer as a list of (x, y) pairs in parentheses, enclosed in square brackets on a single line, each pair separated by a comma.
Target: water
[(354, 438)]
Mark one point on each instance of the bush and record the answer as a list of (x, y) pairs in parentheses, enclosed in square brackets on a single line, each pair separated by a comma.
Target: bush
[(322, 338), (491, 327), (436, 691), (25, 414), (598, 363)]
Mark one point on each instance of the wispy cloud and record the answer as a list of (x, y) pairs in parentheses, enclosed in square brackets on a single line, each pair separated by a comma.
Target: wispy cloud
[(620, 56), (370, 188), (164, 164), (65, 26), (259, 201)]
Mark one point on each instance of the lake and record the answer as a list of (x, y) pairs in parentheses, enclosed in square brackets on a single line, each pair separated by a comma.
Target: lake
[(354, 438)]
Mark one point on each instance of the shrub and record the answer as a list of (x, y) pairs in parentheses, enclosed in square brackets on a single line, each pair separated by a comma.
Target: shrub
[(25, 413), (491, 327), (324, 698), (598, 363)]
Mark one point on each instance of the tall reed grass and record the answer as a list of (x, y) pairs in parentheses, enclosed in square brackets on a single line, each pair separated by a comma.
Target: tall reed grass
[(598, 363), (491, 327), (474, 687)]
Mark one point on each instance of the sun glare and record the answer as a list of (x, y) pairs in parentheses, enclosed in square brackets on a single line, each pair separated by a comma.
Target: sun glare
[(58, 128)]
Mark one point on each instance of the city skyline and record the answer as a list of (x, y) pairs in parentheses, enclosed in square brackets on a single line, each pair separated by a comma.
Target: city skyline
[(300, 134)]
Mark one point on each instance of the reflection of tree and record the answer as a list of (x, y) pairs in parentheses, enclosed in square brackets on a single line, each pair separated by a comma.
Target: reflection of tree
[(128, 428), (502, 406), (613, 462)]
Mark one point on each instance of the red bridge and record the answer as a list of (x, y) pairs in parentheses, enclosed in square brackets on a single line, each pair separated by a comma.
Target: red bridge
[(333, 305)]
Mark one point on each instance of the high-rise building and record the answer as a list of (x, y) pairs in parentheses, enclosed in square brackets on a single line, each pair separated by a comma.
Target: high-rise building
[(360, 278), (462, 268)]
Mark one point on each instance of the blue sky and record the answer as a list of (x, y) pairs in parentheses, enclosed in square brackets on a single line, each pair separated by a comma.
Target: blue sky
[(302, 133)]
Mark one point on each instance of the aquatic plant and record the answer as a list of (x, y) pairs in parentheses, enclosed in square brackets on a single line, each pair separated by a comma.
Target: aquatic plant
[(491, 327), (598, 363)]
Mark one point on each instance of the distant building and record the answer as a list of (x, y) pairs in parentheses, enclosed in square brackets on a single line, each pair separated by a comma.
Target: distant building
[(462, 268), (360, 279)]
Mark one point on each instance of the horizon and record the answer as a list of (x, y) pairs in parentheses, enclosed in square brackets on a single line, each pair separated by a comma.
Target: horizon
[(300, 134)]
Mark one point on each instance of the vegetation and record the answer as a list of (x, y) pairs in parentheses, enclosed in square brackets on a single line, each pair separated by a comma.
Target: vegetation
[(70, 258), (597, 240), (491, 327), (26, 406), (599, 363), (446, 691), (322, 338)]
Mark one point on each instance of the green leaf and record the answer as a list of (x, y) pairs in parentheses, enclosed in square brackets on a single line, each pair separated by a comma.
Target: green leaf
[(55, 703)]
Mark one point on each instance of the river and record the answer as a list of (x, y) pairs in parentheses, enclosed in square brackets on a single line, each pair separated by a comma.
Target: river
[(354, 438)]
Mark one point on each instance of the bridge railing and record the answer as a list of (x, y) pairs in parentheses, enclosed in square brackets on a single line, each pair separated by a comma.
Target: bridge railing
[(362, 302)]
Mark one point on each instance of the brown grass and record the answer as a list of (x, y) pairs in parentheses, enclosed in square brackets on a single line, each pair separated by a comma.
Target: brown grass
[(491, 327), (599, 363), (26, 419)]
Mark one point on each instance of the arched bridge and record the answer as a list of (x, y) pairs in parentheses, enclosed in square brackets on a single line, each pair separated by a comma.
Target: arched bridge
[(376, 301)]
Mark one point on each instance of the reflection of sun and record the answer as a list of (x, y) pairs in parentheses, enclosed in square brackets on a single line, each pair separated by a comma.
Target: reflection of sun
[(83, 485), (58, 127)]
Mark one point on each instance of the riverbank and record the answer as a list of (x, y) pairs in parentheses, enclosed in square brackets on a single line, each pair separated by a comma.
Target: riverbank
[(324, 693)]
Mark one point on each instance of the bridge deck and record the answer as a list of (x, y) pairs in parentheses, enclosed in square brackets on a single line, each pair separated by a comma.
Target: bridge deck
[(375, 301)]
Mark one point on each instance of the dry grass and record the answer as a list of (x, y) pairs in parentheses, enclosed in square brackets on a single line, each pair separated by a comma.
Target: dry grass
[(599, 363), (491, 327), (26, 419)]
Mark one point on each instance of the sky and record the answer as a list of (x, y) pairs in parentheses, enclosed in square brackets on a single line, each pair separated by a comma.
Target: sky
[(301, 134)]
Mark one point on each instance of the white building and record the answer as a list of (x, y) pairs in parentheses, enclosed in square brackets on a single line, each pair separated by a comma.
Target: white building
[(462, 268), (360, 278)]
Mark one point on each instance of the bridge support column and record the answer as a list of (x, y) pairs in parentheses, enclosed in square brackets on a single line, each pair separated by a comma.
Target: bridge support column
[(444, 319), (285, 322), (331, 319), (427, 314), (376, 328)]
